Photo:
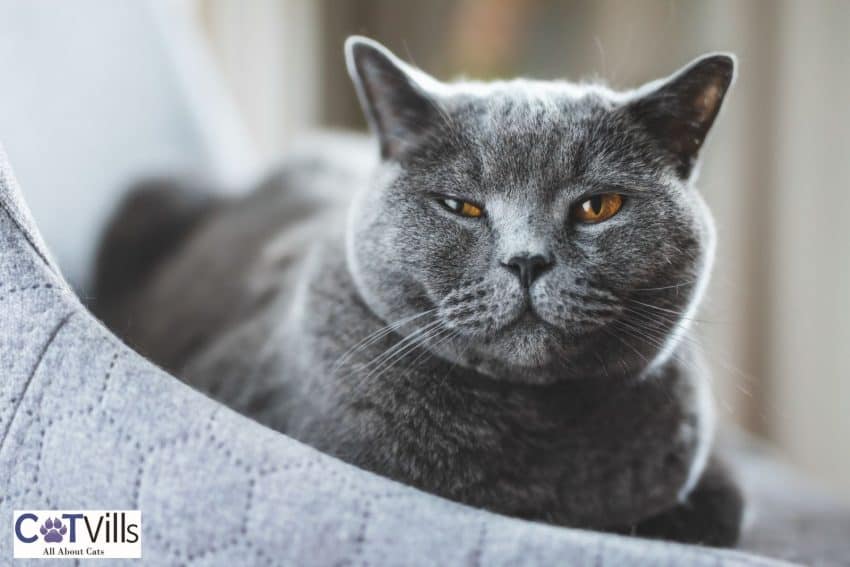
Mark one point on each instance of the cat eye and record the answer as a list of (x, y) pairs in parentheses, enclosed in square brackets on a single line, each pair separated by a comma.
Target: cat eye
[(462, 208), (598, 208)]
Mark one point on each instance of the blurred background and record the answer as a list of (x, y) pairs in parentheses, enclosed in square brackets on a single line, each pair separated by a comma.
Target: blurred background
[(95, 93)]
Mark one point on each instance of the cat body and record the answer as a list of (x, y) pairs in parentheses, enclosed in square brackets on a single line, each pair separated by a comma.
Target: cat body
[(442, 318)]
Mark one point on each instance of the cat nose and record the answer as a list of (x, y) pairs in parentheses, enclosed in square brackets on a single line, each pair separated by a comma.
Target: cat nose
[(528, 268)]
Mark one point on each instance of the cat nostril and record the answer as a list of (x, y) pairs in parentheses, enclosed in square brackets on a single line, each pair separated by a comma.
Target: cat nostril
[(528, 268)]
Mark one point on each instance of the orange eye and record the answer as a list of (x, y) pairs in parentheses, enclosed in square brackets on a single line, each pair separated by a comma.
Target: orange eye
[(598, 208), (463, 208)]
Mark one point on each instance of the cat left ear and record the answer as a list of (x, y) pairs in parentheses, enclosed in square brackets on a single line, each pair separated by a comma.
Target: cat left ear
[(395, 97), (679, 111)]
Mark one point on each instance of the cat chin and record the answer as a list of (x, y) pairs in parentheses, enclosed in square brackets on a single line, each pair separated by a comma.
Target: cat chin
[(546, 374), (533, 352), (526, 352), (529, 343)]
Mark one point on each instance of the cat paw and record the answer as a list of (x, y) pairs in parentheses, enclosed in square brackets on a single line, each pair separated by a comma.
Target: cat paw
[(710, 516)]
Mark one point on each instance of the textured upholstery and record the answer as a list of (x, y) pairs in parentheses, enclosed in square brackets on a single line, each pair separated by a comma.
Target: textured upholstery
[(87, 423)]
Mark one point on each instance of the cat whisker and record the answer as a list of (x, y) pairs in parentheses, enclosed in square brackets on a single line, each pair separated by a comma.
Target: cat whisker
[(437, 338), (402, 343), (409, 349), (677, 314), (656, 342), (625, 343), (661, 288), (659, 333), (657, 308), (374, 337), (459, 356), (719, 361), (659, 322), (401, 348), (447, 335)]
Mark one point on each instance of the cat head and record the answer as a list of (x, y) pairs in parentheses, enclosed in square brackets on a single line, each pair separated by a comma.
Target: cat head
[(534, 231)]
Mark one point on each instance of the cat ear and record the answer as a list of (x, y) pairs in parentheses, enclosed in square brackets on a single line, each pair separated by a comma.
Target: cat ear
[(394, 95), (679, 111)]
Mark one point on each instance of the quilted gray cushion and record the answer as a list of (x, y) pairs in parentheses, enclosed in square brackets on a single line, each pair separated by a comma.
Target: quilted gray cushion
[(87, 423)]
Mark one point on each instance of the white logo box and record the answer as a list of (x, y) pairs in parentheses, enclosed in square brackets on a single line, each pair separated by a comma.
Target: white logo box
[(77, 534)]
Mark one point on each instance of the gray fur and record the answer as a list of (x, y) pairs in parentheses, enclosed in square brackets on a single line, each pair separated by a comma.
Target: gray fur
[(580, 402)]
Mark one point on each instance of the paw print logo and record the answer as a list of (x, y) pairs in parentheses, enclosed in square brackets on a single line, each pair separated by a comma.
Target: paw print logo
[(53, 530)]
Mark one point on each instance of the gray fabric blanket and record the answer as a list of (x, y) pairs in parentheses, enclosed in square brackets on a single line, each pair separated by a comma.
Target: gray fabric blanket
[(87, 423)]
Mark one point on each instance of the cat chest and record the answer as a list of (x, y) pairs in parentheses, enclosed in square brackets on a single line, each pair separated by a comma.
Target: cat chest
[(598, 471)]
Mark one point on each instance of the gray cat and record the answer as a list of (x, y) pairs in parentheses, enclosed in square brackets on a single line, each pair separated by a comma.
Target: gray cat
[(496, 311)]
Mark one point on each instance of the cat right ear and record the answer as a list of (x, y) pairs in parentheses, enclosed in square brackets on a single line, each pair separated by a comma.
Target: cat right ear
[(393, 95), (679, 111)]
